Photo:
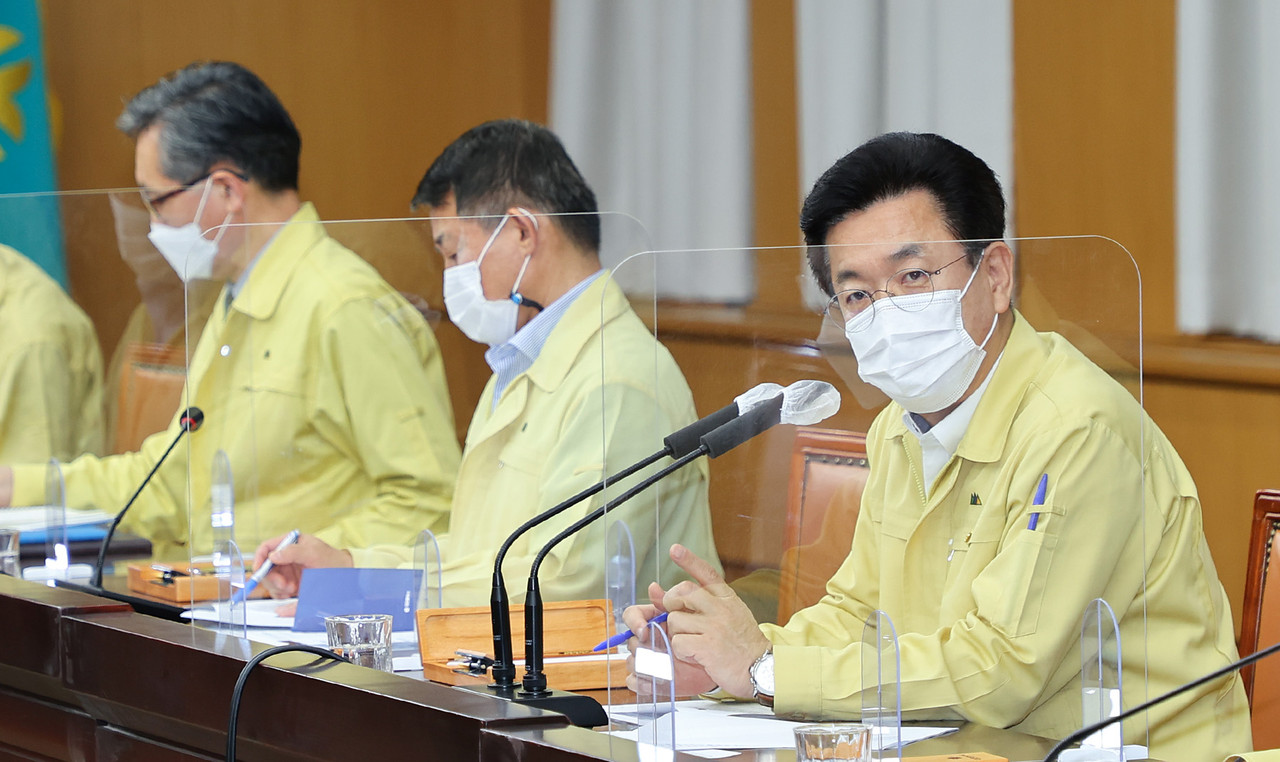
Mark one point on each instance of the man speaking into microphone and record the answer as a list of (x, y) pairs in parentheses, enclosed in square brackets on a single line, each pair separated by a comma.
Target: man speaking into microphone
[(324, 388), (1012, 482), (580, 388)]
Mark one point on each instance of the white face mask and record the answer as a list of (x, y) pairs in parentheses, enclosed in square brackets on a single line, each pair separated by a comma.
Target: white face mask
[(483, 320), (185, 248), (923, 358)]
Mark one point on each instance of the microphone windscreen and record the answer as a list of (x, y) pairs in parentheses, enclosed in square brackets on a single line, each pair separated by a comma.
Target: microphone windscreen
[(756, 395), (744, 427), (686, 440), (808, 402)]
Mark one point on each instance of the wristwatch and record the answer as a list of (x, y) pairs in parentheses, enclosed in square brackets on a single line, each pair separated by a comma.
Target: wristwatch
[(762, 682)]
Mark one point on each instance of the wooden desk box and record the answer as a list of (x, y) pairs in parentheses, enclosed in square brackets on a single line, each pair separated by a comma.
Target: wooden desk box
[(197, 582), (570, 629)]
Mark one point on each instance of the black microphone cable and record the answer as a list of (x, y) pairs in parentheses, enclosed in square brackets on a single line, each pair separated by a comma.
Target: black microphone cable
[(238, 691)]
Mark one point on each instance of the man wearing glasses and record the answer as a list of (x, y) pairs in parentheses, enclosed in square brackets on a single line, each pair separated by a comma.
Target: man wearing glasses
[(324, 388), (1012, 482)]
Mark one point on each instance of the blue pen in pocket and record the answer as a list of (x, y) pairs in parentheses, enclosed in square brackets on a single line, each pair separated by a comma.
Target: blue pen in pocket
[(1038, 501)]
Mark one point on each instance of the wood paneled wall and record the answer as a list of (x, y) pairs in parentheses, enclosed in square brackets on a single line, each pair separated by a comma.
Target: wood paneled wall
[(378, 88)]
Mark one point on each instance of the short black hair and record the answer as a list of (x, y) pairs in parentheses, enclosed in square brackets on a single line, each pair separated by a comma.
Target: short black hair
[(497, 165), (217, 111), (965, 189)]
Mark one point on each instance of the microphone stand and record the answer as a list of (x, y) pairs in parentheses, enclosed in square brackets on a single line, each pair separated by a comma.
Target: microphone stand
[(675, 445), (583, 710), (191, 420)]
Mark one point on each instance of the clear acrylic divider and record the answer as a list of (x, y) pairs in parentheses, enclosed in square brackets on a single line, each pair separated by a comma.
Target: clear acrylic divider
[(882, 686), (226, 558), (1102, 678), (784, 505), (56, 328), (222, 507), (657, 734), (620, 574), (429, 576), (57, 556)]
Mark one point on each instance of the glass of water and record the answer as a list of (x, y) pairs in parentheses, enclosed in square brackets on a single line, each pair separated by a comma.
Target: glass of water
[(846, 742), (365, 639), (9, 552)]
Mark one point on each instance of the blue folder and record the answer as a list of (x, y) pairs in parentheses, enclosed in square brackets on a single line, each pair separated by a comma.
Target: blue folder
[(335, 592)]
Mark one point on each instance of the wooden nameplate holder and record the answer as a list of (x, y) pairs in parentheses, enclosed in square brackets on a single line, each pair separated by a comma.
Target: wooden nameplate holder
[(182, 583), (570, 628)]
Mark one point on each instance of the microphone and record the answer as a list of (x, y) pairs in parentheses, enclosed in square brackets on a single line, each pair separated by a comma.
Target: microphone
[(675, 445), (804, 402), (1089, 730), (190, 420)]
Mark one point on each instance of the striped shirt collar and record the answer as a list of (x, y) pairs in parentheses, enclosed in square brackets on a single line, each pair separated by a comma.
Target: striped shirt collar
[(509, 360)]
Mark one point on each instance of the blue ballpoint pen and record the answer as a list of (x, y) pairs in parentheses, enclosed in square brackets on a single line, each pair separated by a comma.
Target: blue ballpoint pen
[(252, 583), (623, 637), (1038, 501)]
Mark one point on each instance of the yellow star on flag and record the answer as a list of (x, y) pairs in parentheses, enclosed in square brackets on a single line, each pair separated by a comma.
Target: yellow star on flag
[(13, 77)]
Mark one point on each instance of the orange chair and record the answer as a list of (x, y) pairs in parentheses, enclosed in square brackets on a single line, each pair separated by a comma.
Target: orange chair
[(1260, 621), (829, 470), (151, 380)]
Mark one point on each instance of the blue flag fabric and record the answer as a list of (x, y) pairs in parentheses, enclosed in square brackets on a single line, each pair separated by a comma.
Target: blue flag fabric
[(30, 223)]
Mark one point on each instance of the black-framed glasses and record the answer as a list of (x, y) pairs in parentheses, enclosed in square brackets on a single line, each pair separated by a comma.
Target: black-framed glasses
[(911, 290), (153, 202)]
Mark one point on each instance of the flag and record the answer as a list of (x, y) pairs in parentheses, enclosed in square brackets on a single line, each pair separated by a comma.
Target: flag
[(29, 210)]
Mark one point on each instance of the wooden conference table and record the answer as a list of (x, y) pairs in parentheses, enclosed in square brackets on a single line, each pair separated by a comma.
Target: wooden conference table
[(86, 678)]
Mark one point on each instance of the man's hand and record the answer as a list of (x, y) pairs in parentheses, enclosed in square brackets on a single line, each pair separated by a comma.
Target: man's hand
[(714, 638), (307, 553), (690, 679)]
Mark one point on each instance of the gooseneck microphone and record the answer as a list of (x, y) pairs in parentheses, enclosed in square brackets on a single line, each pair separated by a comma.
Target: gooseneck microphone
[(190, 420), (1089, 730), (676, 445), (804, 403), (762, 417)]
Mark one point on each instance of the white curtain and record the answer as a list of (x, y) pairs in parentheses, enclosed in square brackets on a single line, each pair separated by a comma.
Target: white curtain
[(653, 102), (872, 66), (1228, 167)]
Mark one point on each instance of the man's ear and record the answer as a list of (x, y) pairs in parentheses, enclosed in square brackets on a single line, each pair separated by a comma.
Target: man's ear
[(233, 188), (528, 225), (999, 263)]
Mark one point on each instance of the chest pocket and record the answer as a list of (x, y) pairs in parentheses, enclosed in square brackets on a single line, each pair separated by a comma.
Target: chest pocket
[(271, 398), (1015, 582)]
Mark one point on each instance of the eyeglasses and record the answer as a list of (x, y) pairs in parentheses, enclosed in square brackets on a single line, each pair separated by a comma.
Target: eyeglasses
[(912, 282), (153, 202)]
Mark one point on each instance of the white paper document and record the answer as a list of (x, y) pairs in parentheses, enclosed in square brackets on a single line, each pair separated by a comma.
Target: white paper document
[(716, 728), (36, 518), (260, 612)]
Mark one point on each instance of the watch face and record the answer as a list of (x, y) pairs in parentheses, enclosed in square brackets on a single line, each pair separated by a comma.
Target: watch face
[(762, 675)]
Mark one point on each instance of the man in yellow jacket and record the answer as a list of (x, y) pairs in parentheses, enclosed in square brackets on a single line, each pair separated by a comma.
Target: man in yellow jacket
[(324, 388), (50, 367), (985, 584), (580, 388)]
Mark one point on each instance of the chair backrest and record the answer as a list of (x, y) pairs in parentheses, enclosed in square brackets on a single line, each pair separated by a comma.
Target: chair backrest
[(1260, 621), (151, 382), (829, 470)]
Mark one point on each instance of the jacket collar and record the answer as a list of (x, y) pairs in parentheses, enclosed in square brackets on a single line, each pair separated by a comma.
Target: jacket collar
[(277, 263), (601, 303)]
